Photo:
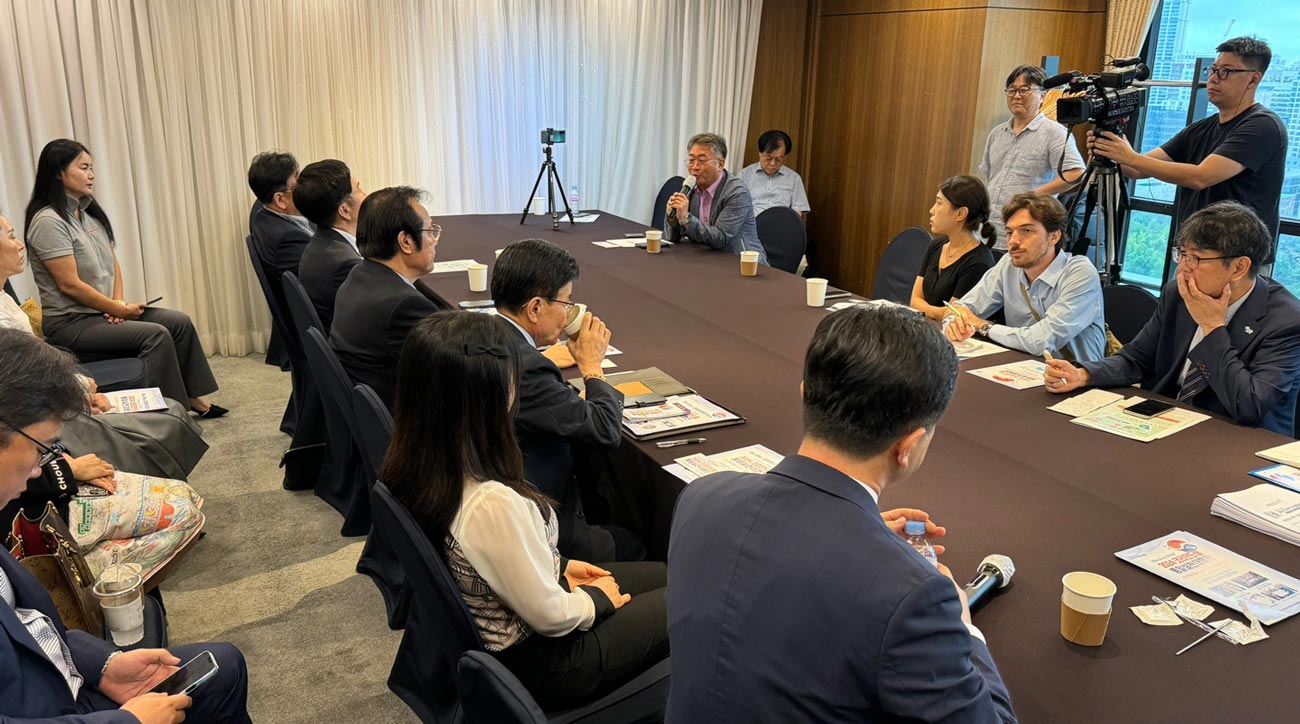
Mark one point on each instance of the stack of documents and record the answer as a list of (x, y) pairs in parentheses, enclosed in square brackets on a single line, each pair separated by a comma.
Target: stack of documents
[(1114, 420), (1089, 401), (1288, 454), (752, 459), (1265, 508), (681, 413)]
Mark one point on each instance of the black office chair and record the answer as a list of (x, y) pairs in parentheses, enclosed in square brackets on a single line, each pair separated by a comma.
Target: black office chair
[(1127, 309), (308, 461), (281, 326), (898, 266), (378, 561), (433, 676), (348, 493), (670, 187), (783, 236)]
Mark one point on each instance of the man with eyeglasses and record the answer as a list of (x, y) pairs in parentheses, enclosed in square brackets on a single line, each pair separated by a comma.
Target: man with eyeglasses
[(1223, 338), (378, 304), (1238, 154), (719, 212), (1021, 154), (532, 287), (52, 674), (770, 181)]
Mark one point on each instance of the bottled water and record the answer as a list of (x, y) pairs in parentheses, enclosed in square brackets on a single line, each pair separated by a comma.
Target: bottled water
[(573, 198), (915, 532)]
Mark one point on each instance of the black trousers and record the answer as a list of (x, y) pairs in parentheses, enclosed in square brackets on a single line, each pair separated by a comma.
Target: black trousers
[(222, 699), (568, 670)]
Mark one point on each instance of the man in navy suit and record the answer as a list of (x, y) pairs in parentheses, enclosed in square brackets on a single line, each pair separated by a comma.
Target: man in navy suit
[(791, 597), (279, 233), (330, 197), (51, 674), (1223, 339)]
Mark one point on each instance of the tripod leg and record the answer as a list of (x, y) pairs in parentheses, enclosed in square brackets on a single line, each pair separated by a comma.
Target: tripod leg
[(556, 172), (550, 195), (541, 172)]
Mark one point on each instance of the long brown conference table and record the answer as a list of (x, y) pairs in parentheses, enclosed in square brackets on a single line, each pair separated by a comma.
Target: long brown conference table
[(1003, 474)]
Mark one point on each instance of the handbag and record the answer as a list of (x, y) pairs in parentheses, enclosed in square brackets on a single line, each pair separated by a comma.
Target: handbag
[(46, 548)]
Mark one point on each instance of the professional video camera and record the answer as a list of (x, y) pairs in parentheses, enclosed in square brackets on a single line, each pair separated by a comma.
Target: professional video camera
[(552, 135), (1109, 99)]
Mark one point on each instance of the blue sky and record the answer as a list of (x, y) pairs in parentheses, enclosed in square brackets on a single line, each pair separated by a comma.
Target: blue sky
[(1275, 21)]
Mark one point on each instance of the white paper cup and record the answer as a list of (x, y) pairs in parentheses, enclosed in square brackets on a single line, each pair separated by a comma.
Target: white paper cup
[(573, 322), (816, 292), (539, 205), (749, 263), (653, 241), (1086, 600), (477, 277)]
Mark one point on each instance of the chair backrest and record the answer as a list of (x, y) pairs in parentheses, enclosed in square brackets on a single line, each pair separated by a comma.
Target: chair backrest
[(490, 693), (332, 381), (301, 310), (782, 234), (898, 266), (375, 425), (440, 627), (279, 315), (1127, 309), (670, 187)]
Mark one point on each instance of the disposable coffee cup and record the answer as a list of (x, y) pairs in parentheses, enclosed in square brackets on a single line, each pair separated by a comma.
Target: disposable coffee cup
[(573, 322), (749, 263), (653, 239), (477, 277), (1085, 607), (539, 205), (816, 292), (119, 593)]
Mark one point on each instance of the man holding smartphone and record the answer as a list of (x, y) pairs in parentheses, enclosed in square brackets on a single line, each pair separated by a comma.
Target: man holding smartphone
[(50, 673), (1223, 339)]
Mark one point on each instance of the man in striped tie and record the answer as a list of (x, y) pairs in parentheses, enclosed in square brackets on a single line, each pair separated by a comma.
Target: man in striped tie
[(1224, 338), (49, 673)]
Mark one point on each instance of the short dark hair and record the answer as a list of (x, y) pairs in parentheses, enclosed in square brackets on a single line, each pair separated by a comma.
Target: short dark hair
[(712, 140), (873, 374), (1253, 51), (269, 174), (531, 268), (969, 193), (384, 215), (322, 186), (1228, 229), (1032, 73), (1044, 209), (767, 142), (39, 383)]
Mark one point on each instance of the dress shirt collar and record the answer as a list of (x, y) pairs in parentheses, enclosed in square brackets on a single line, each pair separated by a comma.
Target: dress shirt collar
[(349, 239), (1052, 274), (78, 205), (1232, 308), (829, 480), (532, 342), (713, 187), (1033, 124), (761, 172)]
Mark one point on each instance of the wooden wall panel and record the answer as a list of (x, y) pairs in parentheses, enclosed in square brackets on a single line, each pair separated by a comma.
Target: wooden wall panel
[(779, 78), (849, 7)]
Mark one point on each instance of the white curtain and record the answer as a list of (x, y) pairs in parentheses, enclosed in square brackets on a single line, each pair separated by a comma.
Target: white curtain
[(174, 97)]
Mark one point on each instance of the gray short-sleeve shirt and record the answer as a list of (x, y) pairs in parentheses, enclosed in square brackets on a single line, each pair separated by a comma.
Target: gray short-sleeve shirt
[(84, 239), (1014, 163)]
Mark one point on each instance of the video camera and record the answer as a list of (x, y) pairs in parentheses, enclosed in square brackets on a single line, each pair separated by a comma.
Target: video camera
[(1109, 99), (552, 135)]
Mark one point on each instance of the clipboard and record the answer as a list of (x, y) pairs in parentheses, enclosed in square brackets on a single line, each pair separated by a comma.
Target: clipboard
[(737, 419), (658, 385)]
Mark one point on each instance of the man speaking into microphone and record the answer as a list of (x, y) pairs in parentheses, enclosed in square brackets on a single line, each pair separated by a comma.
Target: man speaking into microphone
[(718, 212), (791, 596)]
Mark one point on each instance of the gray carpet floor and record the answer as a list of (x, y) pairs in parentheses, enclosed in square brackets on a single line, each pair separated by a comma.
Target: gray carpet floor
[(274, 577)]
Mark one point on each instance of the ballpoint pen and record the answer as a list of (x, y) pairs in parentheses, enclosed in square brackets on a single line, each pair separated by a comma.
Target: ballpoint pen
[(675, 443)]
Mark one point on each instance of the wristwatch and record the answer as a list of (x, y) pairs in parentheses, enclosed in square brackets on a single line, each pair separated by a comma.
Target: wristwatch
[(983, 329)]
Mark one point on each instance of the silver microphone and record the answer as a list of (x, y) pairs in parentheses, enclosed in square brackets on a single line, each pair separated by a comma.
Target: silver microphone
[(995, 572), (688, 185)]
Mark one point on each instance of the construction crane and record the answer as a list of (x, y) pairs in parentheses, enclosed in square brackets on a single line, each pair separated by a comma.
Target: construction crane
[(1228, 29)]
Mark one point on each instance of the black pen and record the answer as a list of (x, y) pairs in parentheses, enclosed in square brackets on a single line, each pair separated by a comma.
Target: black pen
[(152, 302), (687, 441)]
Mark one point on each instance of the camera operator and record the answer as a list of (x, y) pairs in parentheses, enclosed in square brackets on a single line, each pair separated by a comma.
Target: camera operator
[(1238, 154)]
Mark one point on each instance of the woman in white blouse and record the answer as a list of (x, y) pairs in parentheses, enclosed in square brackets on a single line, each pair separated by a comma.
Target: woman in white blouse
[(569, 630)]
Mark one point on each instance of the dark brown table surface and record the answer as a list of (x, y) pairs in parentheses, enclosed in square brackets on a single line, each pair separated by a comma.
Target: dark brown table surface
[(1004, 474)]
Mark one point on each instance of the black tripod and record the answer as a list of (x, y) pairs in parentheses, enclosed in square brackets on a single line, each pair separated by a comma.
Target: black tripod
[(1107, 196), (549, 166)]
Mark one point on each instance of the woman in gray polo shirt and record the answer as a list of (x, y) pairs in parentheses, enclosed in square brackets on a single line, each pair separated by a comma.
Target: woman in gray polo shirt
[(74, 262)]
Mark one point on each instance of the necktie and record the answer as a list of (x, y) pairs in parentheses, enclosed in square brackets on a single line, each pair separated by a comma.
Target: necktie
[(1193, 384)]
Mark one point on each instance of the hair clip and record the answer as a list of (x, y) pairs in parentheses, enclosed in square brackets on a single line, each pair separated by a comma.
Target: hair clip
[(474, 350)]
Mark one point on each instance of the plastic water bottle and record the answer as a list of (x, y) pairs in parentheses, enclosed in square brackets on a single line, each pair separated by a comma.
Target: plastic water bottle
[(915, 532), (573, 198)]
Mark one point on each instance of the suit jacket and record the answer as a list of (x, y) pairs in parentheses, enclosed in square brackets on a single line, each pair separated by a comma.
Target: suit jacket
[(731, 224), (280, 243), (1252, 364), (374, 311), (325, 265), (552, 416), (789, 599), (31, 687)]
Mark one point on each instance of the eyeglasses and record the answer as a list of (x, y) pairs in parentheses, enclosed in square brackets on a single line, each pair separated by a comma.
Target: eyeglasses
[(47, 453), (435, 229), (1193, 260), (1021, 91), (699, 161), (1224, 73), (561, 301)]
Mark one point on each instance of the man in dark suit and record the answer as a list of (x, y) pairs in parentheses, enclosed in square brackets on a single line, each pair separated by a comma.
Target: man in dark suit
[(1223, 339), (378, 303), (52, 674), (791, 597), (330, 198), (279, 233), (719, 213), (532, 285)]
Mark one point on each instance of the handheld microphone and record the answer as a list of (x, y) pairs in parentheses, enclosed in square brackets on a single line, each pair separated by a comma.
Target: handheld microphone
[(995, 573), (687, 185), (1061, 79)]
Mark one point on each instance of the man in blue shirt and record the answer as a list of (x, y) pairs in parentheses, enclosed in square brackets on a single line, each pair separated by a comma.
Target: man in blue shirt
[(770, 181), (1051, 299)]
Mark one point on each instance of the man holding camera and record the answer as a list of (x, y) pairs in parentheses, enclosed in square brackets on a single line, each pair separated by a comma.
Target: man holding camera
[(1239, 154)]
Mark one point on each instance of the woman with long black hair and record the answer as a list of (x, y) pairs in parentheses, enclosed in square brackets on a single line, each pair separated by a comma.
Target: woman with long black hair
[(569, 630), (74, 263)]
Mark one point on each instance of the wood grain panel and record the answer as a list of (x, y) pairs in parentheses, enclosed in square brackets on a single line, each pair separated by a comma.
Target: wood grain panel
[(777, 101), (849, 7)]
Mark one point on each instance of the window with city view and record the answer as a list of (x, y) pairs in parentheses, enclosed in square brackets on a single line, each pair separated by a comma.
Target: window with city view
[(1183, 31)]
